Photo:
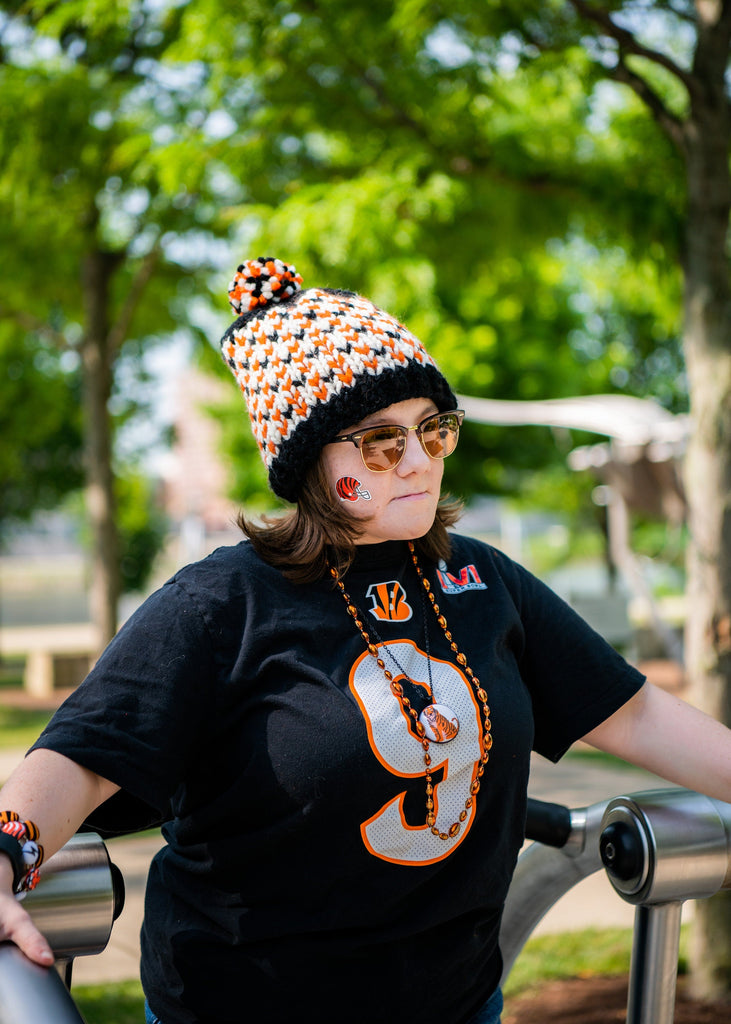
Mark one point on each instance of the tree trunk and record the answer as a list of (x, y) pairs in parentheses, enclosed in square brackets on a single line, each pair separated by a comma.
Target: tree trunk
[(97, 360), (707, 341)]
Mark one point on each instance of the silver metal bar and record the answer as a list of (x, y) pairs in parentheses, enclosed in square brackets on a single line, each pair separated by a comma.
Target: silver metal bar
[(654, 964), (32, 993)]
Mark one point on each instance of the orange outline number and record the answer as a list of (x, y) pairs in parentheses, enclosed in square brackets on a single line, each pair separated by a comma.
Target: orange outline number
[(386, 833)]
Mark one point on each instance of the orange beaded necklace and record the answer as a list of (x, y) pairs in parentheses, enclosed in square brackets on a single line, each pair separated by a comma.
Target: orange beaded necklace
[(398, 691)]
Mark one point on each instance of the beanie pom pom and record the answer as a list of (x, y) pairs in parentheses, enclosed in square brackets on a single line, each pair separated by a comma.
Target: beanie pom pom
[(259, 282)]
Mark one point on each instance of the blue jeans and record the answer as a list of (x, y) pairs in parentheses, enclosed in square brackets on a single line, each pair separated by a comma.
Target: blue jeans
[(489, 1014), (150, 1017)]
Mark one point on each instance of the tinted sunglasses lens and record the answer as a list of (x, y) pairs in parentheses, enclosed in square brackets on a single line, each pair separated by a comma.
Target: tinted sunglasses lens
[(439, 435), (382, 448)]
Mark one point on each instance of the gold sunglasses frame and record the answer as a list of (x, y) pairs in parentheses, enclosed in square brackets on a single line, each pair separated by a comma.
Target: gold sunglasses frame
[(356, 437)]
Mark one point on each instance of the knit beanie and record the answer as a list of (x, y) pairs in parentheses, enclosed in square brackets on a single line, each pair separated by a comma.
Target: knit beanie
[(312, 363)]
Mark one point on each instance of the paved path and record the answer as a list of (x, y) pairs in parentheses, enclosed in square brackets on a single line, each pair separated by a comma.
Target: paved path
[(576, 782)]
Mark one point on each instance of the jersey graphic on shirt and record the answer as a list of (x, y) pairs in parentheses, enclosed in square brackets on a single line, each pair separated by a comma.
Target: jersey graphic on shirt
[(387, 834), (388, 602), (468, 579)]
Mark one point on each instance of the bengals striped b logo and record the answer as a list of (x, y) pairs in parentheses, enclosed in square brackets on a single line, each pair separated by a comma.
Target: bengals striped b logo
[(388, 602)]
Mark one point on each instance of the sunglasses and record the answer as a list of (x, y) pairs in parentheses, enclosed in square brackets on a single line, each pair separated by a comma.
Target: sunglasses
[(382, 448)]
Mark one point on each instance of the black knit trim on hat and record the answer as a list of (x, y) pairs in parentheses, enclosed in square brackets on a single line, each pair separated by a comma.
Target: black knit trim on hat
[(370, 394)]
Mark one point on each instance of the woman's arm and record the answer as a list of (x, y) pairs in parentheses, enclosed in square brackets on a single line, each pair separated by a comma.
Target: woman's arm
[(57, 794), (676, 741)]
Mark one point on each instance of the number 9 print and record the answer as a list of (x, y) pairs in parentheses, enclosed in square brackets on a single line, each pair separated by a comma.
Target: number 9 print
[(387, 834)]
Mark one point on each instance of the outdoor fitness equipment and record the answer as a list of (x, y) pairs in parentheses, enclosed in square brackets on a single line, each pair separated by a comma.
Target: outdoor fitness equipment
[(660, 848), (75, 905)]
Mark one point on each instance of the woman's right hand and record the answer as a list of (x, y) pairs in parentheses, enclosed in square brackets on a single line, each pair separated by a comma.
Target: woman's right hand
[(15, 922)]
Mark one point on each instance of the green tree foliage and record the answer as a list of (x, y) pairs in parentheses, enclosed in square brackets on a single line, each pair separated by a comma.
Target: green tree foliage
[(142, 526), (383, 148), (474, 184), (107, 190), (40, 454)]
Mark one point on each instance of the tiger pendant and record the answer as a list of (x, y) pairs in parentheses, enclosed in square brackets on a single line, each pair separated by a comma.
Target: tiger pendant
[(440, 723)]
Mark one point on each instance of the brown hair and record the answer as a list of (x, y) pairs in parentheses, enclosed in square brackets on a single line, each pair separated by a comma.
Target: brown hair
[(319, 531)]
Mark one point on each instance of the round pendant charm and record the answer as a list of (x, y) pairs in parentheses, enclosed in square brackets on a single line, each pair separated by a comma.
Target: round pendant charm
[(440, 723)]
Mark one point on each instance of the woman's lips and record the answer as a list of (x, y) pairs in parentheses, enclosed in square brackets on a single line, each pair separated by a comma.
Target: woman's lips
[(412, 496)]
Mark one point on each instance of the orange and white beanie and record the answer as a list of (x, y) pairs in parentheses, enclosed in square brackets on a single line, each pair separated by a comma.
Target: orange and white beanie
[(312, 363)]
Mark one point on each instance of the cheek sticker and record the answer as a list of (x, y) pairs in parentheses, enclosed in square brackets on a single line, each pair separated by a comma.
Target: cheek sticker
[(349, 489)]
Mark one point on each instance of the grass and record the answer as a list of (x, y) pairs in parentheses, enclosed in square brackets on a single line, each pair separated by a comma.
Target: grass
[(584, 954), (588, 953), (118, 1003)]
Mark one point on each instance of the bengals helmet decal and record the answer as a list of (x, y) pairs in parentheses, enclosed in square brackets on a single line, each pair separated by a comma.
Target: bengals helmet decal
[(349, 489)]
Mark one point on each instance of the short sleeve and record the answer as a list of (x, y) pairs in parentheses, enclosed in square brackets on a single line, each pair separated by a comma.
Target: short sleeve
[(138, 717), (575, 678)]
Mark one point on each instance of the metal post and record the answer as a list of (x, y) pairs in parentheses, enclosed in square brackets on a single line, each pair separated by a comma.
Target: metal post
[(654, 964)]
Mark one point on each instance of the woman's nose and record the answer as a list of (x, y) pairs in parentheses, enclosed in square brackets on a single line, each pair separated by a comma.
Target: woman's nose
[(415, 458)]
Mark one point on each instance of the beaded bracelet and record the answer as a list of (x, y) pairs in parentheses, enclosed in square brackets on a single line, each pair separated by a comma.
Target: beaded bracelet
[(18, 839)]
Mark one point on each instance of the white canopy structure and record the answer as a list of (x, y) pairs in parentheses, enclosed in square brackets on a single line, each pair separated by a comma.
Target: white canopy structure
[(633, 421), (640, 464)]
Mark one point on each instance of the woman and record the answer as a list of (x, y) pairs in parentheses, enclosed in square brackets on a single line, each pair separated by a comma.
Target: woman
[(335, 717)]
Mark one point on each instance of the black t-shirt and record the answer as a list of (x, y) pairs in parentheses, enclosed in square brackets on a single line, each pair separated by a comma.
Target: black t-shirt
[(298, 870)]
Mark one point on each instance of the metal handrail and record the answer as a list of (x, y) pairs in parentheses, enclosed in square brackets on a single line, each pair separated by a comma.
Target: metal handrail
[(660, 848), (544, 874), (80, 895), (33, 993)]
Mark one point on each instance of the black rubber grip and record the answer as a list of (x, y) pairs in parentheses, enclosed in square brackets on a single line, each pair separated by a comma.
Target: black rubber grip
[(548, 823)]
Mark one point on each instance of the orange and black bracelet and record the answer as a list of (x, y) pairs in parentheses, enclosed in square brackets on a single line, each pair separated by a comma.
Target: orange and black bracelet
[(19, 840)]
